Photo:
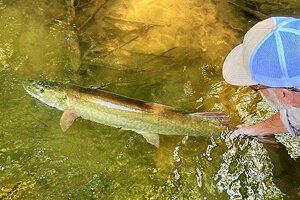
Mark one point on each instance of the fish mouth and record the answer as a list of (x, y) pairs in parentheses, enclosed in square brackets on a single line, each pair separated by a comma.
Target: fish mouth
[(35, 88), (31, 88), (28, 85), (45, 91)]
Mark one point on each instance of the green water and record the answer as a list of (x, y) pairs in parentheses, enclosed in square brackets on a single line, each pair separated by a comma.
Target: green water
[(164, 51)]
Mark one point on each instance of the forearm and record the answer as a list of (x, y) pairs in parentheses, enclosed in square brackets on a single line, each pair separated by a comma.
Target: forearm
[(270, 126)]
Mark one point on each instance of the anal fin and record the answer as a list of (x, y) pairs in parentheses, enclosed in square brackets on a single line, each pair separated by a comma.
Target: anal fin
[(67, 119), (151, 138)]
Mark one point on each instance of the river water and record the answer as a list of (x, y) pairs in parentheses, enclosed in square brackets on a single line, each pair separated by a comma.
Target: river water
[(164, 51)]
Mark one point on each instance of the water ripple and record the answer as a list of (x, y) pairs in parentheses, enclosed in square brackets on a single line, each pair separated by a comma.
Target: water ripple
[(247, 171), (292, 144)]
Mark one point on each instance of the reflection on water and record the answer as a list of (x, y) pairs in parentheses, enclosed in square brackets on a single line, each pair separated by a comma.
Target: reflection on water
[(291, 144), (165, 51), (247, 172)]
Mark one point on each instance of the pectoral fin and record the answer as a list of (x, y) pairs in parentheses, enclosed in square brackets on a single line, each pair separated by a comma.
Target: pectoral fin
[(67, 119), (152, 138)]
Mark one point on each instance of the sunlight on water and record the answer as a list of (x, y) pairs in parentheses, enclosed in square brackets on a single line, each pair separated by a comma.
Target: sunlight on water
[(145, 29), (247, 172), (164, 51), (292, 144)]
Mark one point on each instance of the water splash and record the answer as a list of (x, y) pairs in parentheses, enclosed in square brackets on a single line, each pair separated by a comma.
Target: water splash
[(246, 171), (176, 174), (176, 155), (188, 89), (291, 143), (209, 148), (199, 177)]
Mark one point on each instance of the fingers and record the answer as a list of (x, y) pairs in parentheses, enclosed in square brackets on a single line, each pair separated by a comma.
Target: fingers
[(251, 130), (241, 130), (235, 134)]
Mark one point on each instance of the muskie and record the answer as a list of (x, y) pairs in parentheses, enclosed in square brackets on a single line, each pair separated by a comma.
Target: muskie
[(147, 119)]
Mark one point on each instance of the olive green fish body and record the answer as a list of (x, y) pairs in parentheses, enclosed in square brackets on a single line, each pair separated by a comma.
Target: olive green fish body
[(148, 119)]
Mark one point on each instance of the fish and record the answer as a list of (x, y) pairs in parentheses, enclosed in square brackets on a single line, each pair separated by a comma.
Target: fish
[(104, 107)]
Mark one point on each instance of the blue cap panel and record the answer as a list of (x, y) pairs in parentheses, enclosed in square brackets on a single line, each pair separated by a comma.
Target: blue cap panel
[(295, 24), (279, 20), (276, 60), (291, 47), (265, 65)]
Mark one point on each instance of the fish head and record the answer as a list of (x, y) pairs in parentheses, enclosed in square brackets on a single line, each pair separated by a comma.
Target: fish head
[(49, 92)]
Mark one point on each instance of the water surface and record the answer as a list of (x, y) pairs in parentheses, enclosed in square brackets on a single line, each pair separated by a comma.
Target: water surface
[(165, 51)]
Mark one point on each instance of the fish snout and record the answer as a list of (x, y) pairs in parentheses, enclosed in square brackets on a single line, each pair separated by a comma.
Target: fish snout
[(33, 87)]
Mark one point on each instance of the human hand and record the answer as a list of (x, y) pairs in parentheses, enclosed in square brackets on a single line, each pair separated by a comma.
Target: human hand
[(244, 130), (252, 131), (265, 128)]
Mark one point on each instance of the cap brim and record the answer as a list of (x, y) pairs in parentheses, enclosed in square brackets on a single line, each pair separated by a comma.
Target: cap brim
[(234, 70)]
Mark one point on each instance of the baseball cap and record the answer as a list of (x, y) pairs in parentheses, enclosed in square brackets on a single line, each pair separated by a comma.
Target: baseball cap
[(269, 55)]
